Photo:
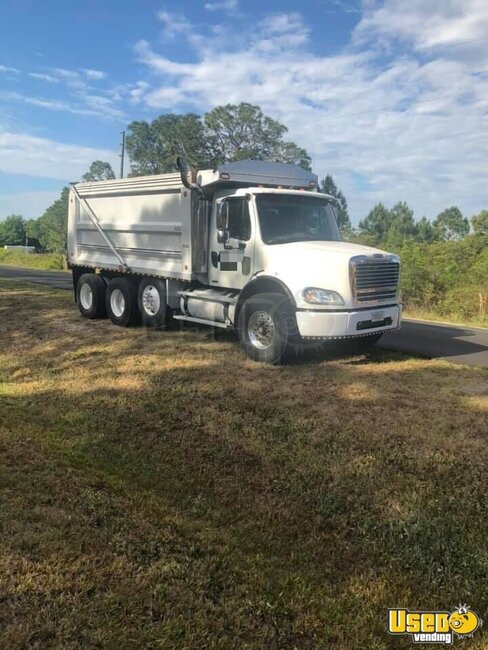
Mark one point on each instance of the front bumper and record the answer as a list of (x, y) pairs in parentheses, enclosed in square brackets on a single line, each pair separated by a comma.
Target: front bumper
[(348, 324)]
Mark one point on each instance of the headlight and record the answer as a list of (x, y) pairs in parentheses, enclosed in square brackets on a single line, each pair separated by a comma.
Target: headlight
[(322, 296)]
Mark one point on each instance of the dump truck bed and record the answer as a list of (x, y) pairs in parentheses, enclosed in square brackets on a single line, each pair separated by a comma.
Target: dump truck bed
[(142, 223)]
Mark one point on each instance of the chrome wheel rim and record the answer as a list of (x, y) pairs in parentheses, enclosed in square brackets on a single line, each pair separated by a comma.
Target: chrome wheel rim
[(86, 296), (151, 301), (117, 303), (261, 330)]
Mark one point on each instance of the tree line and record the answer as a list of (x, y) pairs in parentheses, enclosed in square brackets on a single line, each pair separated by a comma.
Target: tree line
[(445, 260), (225, 134), (49, 231)]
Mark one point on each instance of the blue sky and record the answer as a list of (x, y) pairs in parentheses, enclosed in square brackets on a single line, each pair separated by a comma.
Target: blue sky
[(390, 97)]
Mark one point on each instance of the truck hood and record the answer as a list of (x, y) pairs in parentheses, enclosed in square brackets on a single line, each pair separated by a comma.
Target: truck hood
[(317, 249), (322, 264)]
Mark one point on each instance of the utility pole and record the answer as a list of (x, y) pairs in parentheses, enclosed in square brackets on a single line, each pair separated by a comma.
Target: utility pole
[(122, 154)]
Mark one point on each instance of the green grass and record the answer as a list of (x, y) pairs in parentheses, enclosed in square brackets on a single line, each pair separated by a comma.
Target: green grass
[(450, 318), (35, 260), (161, 491)]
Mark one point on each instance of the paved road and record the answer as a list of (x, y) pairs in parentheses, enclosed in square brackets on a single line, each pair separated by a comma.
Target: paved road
[(460, 344), (55, 279), (467, 345)]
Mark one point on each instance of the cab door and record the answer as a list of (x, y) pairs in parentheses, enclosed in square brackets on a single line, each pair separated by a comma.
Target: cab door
[(231, 243)]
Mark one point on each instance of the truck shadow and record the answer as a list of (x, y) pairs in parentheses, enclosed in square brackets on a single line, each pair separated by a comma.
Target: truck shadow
[(436, 340), (308, 353)]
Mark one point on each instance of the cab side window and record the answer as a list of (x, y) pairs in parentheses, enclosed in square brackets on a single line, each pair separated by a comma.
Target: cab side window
[(239, 219)]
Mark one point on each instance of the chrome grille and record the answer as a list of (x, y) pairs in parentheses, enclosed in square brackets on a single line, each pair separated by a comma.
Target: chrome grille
[(374, 279)]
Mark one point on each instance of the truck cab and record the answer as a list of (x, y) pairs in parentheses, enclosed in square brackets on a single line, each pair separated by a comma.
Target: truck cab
[(289, 241), (259, 250)]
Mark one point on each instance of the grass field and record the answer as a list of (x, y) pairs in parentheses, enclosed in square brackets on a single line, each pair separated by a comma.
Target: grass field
[(161, 491), (52, 261)]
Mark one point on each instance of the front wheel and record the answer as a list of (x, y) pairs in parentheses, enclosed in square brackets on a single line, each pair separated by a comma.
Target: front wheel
[(267, 326), (151, 299)]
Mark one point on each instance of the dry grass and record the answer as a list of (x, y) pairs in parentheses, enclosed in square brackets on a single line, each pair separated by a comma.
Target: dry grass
[(161, 491)]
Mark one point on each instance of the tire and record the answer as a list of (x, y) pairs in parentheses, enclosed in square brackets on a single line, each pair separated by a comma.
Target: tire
[(90, 296), (267, 327), (151, 300), (121, 302)]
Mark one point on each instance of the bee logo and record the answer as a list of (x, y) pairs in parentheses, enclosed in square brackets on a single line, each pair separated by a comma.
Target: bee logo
[(463, 621), (434, 627)]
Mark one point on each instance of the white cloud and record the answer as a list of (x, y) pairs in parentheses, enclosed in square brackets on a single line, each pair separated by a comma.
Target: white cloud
[(66, 74), (389, 123), (136, 92), (346, 7), (26, 154), (44, 77), (280, 31), (173, 24), (95, 75), (222, 5), (6, 68), (90, 106), (81, 98), (102, 106), (426, 24)]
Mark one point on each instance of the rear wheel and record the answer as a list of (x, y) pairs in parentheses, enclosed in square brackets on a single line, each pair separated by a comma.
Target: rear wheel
[(267, 327), (121, 302), (151, 299), (90, 296)]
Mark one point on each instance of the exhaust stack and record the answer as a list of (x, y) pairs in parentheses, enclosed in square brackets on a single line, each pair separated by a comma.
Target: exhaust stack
[(186, 176)]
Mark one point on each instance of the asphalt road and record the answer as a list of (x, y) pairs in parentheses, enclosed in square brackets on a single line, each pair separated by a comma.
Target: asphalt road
[(468, 345), (55, 279), (459, 344)]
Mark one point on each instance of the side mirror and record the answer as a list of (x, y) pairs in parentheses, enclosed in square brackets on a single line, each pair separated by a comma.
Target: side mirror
[(223, 215), (222, 236)]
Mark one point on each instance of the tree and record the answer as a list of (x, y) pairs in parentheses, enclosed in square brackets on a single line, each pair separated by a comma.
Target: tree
[(32, 233), (289, 152), (328, 186), (12, 231), (479, 223), (99, 171), (425, 231), (377, 223), (227, 133), (153, 147), (450, 224), (241, 131), (52, 226), (402, 224)]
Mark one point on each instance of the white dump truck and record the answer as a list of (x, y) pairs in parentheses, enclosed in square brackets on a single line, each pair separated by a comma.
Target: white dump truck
[(249, 245)]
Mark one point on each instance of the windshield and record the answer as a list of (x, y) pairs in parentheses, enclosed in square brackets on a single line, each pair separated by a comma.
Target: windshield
[(288, 218)]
